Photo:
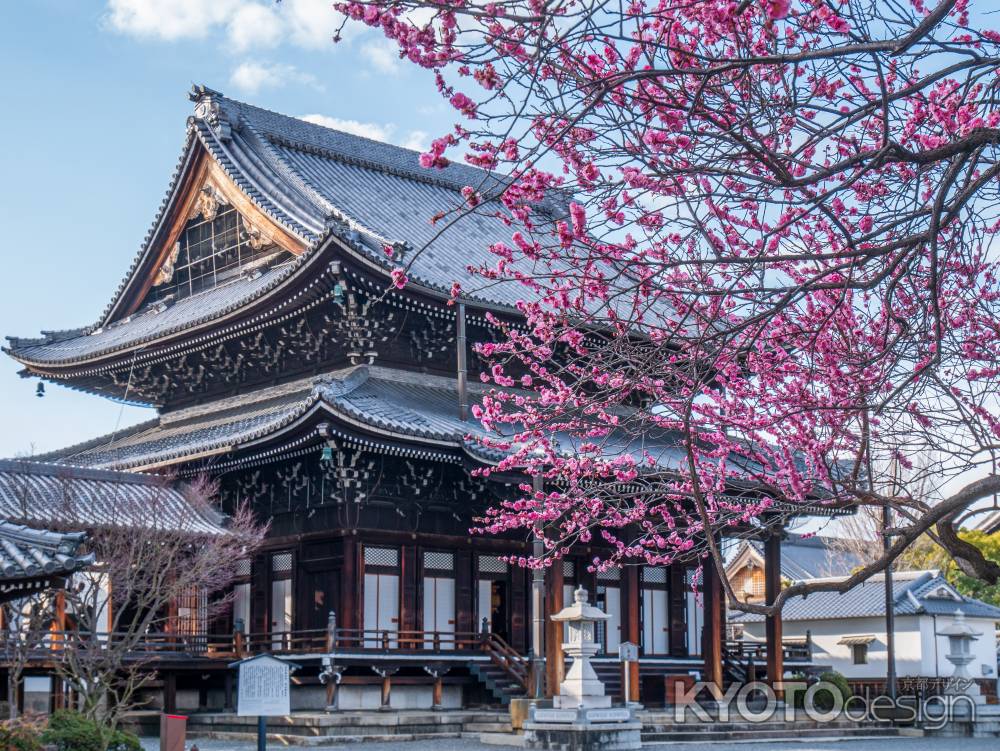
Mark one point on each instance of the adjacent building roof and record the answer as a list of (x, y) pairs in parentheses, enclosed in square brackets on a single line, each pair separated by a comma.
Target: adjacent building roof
[(65, 497), (32, 559), (806, 556), (914, 593), (989, 523)]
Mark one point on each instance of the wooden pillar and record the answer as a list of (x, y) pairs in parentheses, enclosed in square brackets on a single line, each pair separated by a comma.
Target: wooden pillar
[(169, 692), (351, 588), (260, 596), (713, 632), (554, 661), (631, 625), (465, 593), (229, 692), (386, 675), (410, 616), (518, 608), (677, 616), (772, 624)]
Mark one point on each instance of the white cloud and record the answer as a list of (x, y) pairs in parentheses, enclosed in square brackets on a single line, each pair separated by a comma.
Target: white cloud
[(313, 23), (253, 26), (252, 76), (382, 54), (168, 19), (415, 139), (246, 24), (355, 127)]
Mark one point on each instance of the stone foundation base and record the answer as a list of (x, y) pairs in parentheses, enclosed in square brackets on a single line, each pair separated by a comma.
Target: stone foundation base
[(619, 736)]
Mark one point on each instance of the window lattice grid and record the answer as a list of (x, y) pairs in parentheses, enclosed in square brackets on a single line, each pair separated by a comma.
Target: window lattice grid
[(693, 576), (654, 575), (437, 561), (609, 575), (569, 569), (492, 565), (381, 556), (212, 252), (244, 567), (281, 563)]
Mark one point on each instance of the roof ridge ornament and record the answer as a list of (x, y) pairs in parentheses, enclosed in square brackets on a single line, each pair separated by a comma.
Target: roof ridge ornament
[(208, 109)]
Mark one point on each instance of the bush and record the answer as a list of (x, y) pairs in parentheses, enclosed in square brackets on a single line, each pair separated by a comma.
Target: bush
[(71, 731), (23, 734), (823, 700)]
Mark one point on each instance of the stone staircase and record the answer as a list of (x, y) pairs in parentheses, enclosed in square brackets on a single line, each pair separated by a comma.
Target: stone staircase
[(663, 727), (498, 682)]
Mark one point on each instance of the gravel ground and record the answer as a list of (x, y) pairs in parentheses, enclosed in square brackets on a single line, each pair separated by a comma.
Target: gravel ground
[(879, 744)]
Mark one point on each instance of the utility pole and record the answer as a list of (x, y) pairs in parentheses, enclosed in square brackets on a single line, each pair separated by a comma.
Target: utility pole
[(890, 615)]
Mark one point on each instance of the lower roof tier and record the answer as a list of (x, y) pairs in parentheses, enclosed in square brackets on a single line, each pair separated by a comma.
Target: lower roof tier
[(402, 409)]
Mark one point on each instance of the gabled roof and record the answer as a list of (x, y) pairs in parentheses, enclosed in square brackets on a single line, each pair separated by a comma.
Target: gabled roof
[(320, 186), (914, 593), (53, 495), (31, 559), (315, 183), (805, 557)]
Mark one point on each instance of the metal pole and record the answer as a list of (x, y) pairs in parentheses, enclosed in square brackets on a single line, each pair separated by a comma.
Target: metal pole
[(628, 671), (262, 733), (460, 358), (537, 607)]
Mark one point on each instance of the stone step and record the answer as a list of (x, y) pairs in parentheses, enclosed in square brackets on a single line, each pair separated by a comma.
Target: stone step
[(692, 727), (282, 739), (514, 740), (487, 727), (767, 734)]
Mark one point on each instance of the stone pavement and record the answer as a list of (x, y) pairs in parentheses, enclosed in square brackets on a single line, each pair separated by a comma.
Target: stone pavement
[(456, 744)]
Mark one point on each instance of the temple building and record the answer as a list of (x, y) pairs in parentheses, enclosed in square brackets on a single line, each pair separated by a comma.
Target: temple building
[(260, 319)]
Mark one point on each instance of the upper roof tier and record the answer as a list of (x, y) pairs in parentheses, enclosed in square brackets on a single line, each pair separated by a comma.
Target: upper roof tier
[(301, 187)]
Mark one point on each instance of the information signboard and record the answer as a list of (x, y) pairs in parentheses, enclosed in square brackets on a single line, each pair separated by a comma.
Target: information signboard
[(263, 687)]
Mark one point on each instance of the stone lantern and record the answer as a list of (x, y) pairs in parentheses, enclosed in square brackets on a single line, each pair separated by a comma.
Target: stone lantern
[(960, 637), (581, 688)]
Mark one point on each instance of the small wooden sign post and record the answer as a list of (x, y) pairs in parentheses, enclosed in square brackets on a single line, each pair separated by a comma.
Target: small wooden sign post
[(627, 652), (264, 691)]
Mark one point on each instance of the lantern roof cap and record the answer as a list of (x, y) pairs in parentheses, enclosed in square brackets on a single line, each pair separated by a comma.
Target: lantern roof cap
[(580, 610), (960, 627)]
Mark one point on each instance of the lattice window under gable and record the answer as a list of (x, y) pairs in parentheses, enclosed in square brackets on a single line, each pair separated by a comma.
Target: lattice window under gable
[(215, 247)]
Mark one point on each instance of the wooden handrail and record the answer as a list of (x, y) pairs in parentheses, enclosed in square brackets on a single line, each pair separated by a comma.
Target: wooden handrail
[(506, 657)]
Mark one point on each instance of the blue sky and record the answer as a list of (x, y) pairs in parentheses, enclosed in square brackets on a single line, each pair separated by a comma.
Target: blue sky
[(94, 114)]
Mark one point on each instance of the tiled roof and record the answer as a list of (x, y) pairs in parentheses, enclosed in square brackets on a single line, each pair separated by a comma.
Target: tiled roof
[(914, 592), (812, 557), (30, 555), (397, 405), (148, 324), (48, 494), (989, 523), (315, 182)]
